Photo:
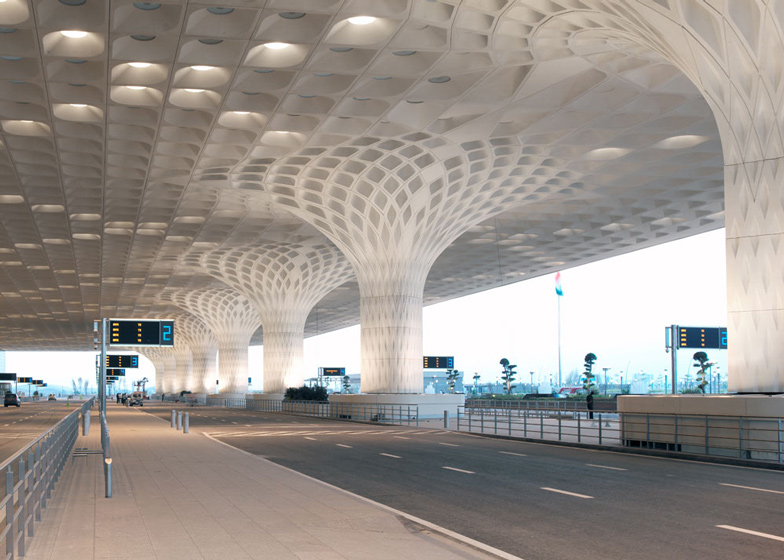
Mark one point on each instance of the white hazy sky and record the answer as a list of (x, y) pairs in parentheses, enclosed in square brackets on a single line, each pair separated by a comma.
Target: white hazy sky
[(617, 308)]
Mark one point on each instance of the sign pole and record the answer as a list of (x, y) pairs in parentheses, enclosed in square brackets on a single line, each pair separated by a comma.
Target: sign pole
[(102, 376), (674, 357)]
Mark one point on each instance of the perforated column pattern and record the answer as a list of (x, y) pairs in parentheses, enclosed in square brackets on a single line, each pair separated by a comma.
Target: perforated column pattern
[(233, 320), (283, 282), (184, 358), (204, 349)]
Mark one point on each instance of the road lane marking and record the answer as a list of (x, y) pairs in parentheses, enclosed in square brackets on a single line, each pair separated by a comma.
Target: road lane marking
[(346, 446), (234, 422), (515, 454), (458, 470), (392, 456), (604, 467), (751, 488), (567, 493), (310, 438), (748, 532), (448, 444), (400, 437)]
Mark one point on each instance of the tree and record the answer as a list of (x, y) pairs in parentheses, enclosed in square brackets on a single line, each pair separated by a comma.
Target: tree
[(346, 384), (476, 381), (508, 375), (588, 377), (701, 359), (451, 379)]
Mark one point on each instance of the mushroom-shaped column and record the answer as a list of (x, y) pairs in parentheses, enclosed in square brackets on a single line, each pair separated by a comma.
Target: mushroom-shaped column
[(204, 349), (283, 282), (233, 320), (184, 359), (391, 206), (157, 357)]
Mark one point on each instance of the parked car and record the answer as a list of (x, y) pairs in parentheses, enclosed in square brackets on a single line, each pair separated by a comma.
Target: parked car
[(136, 398), (52, 397), (11, 400)]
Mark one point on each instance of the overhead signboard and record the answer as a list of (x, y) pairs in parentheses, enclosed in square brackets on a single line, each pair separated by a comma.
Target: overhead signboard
[(24, 379), (115, 372), (702, 337), (37, 382), (333, 371), (8, 377), (122, 361), (141, 332), (439, 362)]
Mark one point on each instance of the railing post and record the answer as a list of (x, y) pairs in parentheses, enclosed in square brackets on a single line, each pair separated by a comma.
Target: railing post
[(740, 436), (9, 512), (179, 420), (779, 438), (579, 427), (446, 419), (186, 424), (600, 428), (174, 419), (510, 422), (20, 526), (495, 421), (647, 431), (525, 422), (676, 432), (559, 425), (482, 420), (707, 443), (541, 425)]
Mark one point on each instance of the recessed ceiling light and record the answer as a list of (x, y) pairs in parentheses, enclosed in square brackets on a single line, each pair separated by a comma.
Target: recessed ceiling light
[(202, 68), (439, 79), (147, 5), (136, 87), (220, 11), (143, 37), (73, 34), (241, 112), (404, 53), (276, 46), (361, 20), (78, 105), (211, 41), (193, 90), (140, 64), (292, 15)]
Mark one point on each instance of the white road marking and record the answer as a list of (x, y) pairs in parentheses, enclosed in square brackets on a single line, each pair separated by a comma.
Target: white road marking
[(346, 446), (310, 438), (458, 470), (604, 467), (567, 493), (234, 422), (448, 444), (748, 532), (400, 437), (389, 455), (751, 488), (515, 454)]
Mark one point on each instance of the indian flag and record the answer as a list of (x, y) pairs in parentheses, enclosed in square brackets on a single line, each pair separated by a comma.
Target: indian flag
[(558, 288)]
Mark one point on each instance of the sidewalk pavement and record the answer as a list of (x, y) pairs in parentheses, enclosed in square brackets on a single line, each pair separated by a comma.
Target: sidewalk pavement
[(185, 496)]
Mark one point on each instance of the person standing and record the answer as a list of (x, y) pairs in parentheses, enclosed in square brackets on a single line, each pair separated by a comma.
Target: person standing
[(589, 404)]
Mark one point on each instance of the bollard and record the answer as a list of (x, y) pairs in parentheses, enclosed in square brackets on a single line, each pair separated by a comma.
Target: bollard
[(174, 418), (179, 420), (108, 472), (446, 419), (186, 424)]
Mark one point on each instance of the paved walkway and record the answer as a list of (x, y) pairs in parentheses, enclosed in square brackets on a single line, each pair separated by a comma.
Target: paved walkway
[(185, 496)]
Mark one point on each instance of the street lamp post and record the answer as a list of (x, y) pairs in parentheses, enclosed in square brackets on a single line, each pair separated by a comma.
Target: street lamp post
[(605, 379), (532, 382)]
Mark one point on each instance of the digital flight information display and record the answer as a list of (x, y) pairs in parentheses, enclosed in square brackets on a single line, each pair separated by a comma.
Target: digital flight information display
[(121, 361), (702, 337), (141, 332), (439, 362), (330, 371)]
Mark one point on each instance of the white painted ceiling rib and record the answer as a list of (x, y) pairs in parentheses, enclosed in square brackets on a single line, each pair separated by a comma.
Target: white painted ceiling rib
[(135, 134)]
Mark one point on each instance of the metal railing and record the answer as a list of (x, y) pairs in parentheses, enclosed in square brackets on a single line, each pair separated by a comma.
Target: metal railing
[(30, 476), (358, 412), (745, 438), (603, 405)]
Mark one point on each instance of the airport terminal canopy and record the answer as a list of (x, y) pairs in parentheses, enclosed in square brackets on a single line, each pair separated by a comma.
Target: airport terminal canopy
[(366, 157)]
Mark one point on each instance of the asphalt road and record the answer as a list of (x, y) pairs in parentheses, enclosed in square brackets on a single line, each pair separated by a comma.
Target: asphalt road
[(536, 501), (20, 426)]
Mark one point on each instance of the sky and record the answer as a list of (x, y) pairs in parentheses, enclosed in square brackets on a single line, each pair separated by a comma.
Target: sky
[(617, 309)]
